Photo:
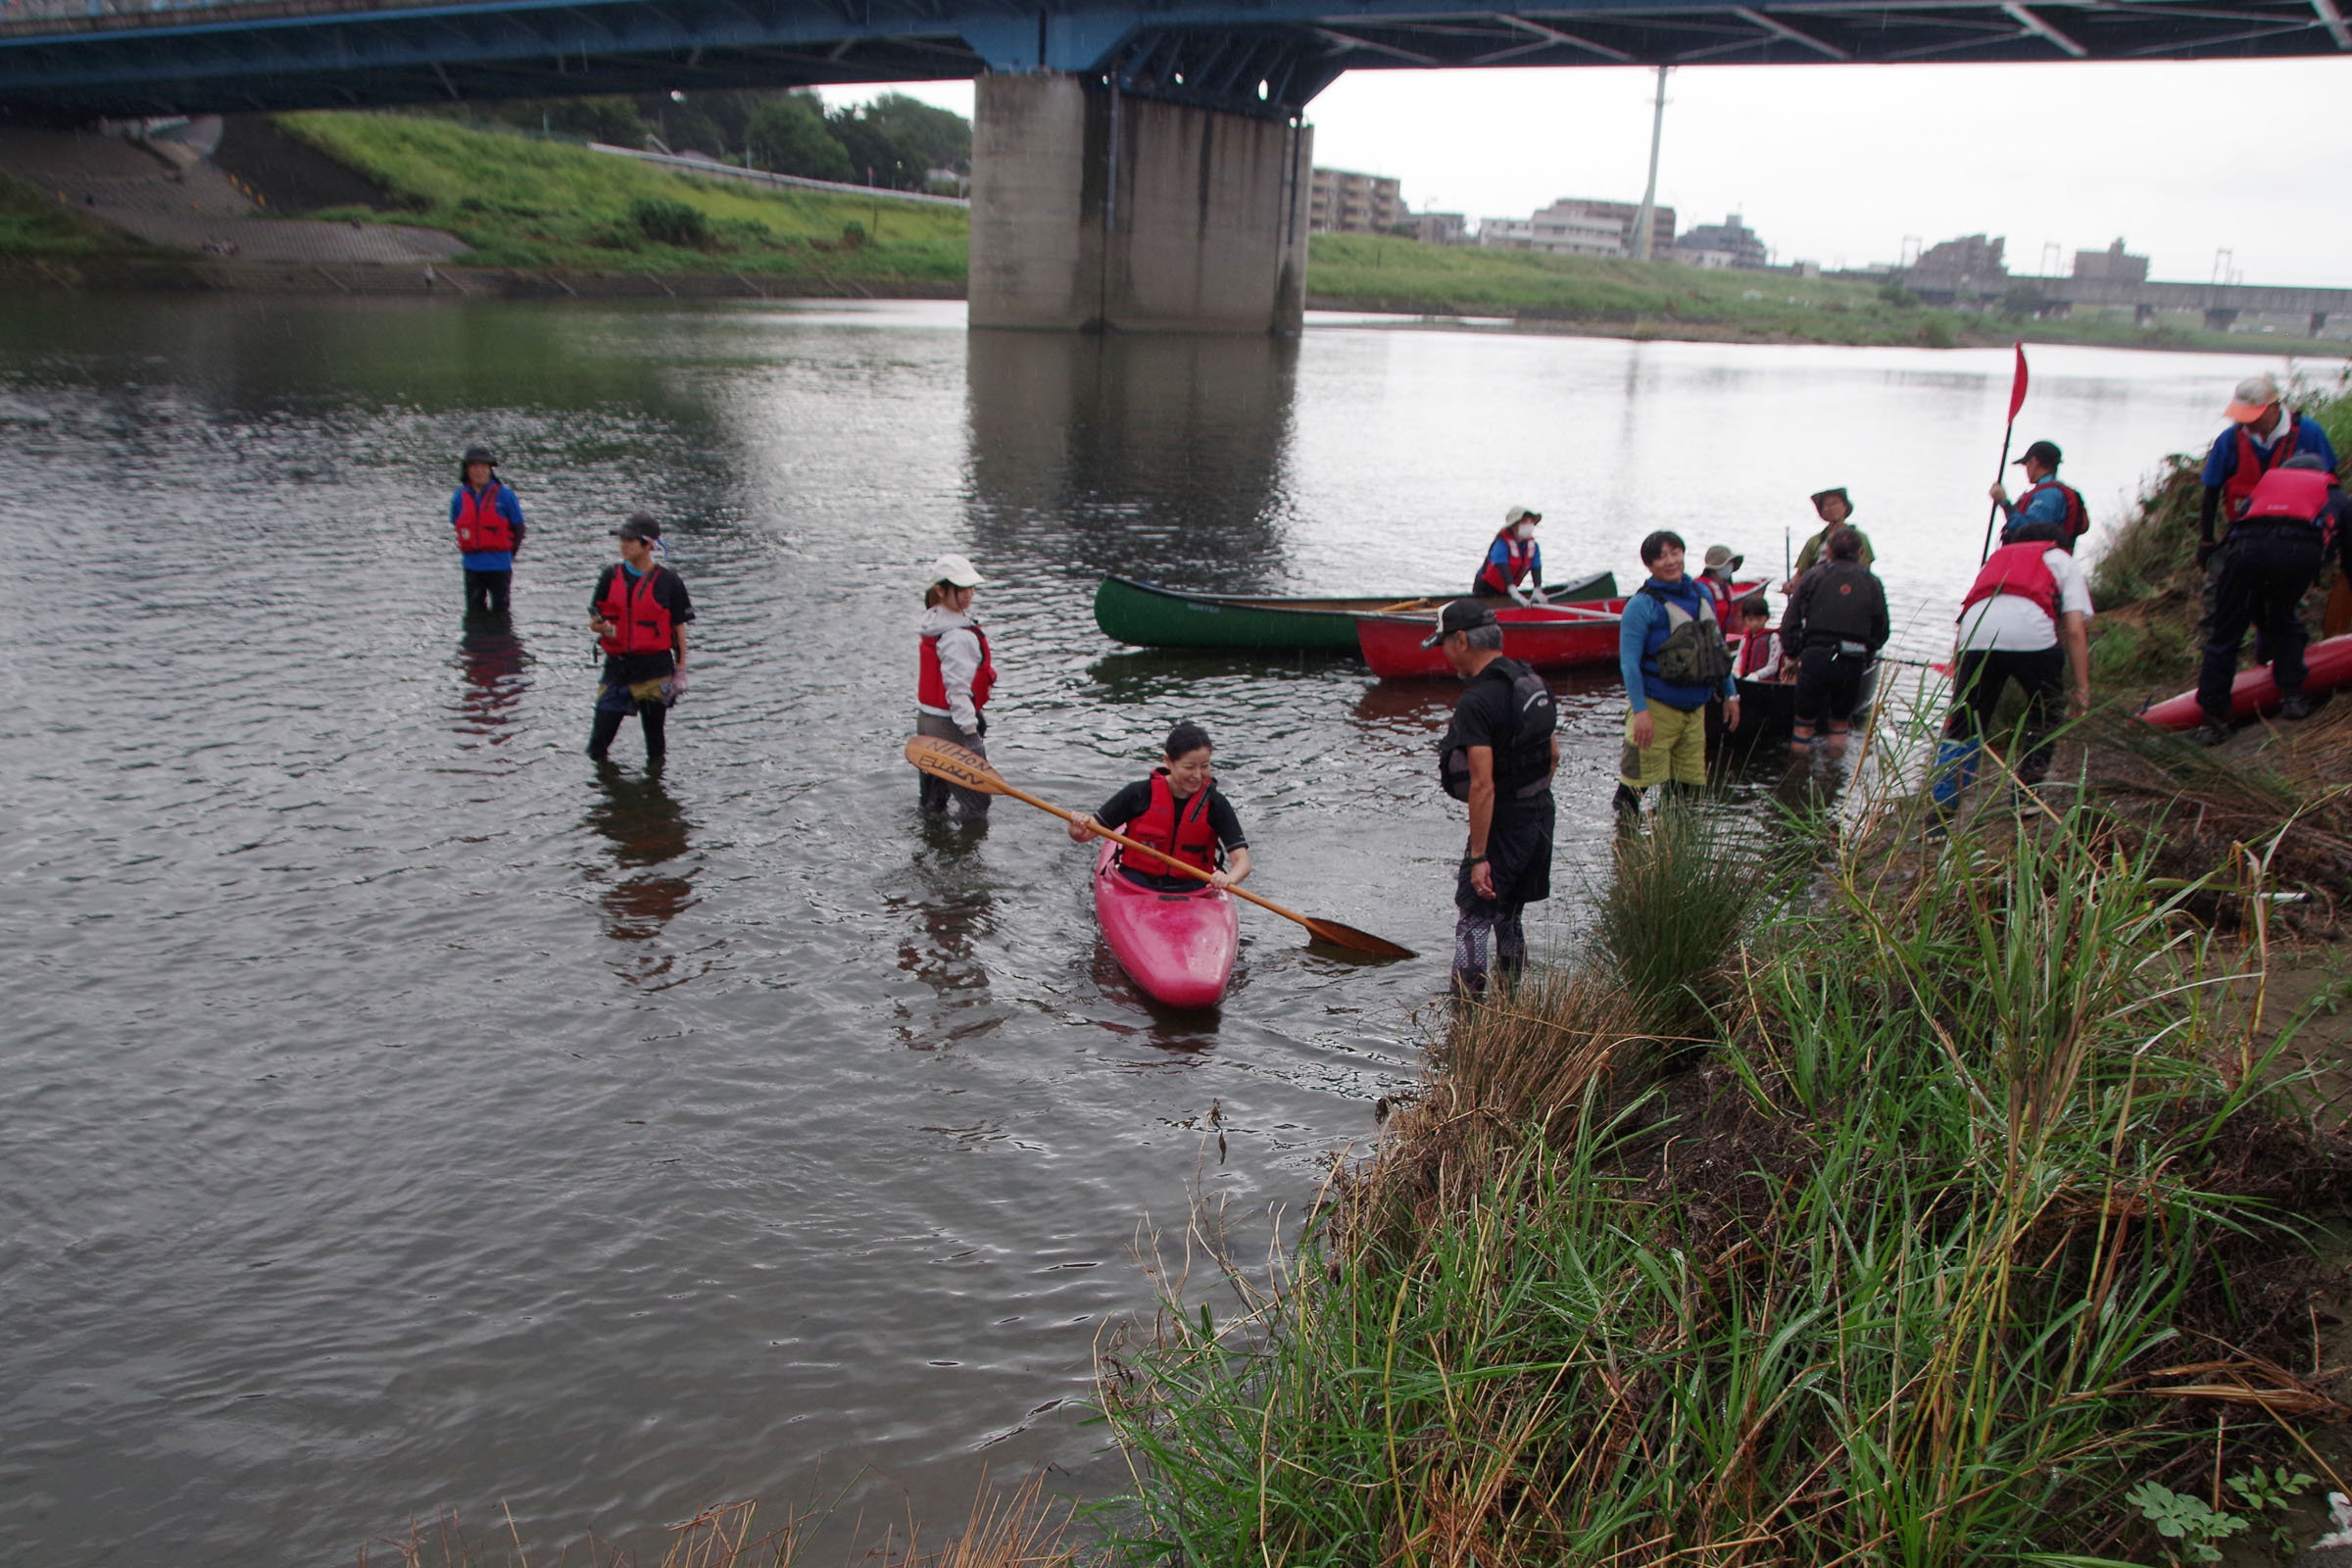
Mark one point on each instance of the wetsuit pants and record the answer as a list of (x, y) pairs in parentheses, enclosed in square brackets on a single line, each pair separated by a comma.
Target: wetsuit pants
[(2258, 579), (1978, 680), (486, 592), (654, 716), (1487, 932), (936, 794), (1829, 685)]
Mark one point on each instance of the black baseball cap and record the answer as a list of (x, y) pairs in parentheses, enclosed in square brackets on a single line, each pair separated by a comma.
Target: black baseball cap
[(1463, 614), (639, 526), (478, 453), (2045, 453)]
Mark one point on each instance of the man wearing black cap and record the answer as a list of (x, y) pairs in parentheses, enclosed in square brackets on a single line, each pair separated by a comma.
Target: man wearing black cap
[(488, 520), (639, 613), (1497, 754), (2048, 511)]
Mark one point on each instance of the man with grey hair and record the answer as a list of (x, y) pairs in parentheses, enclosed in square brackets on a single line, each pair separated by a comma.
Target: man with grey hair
[(1498, 755)]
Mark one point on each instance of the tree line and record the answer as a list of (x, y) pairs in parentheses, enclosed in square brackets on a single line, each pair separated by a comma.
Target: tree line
[(896, 142)]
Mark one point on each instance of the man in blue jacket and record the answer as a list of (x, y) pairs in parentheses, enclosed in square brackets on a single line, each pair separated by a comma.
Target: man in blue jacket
[(1672, 655), (2049, 509), (2262, 434), (488, 520)]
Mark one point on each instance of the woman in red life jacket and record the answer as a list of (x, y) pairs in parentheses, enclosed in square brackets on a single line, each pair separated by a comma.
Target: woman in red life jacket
[(488, 522), (955, 671), (1513, 554), (638, 612), (1180, 809)]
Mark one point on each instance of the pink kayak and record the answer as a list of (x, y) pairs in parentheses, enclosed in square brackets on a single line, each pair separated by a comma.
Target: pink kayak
[(2327, 665), (1179, 947)]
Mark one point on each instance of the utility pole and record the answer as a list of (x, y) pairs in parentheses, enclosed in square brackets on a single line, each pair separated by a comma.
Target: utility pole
[(1645, 222)]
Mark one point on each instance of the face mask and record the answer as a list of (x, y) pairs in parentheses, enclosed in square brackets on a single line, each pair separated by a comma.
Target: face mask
[(1525, 530)]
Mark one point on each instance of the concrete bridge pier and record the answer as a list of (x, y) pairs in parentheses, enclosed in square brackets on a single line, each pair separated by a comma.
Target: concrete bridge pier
[(2318, 323), (1097, 210)]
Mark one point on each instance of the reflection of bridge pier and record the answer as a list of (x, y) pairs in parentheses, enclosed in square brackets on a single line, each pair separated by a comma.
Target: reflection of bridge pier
[(1100, 211)]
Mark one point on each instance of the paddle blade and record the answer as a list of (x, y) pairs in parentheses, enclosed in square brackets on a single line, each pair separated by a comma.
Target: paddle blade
[(1348, 936), (945, 760)]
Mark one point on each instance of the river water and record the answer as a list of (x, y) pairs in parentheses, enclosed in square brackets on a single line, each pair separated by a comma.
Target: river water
[(403, 1116)]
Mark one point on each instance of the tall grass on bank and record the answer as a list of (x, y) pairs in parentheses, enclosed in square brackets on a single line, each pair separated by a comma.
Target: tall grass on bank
[(1975, 1216)]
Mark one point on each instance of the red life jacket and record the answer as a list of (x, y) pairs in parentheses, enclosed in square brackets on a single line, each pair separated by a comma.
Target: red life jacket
[(2077, 518), (1755, 649), (2018, 569), (1521, 553), (2289, 495), (480, 525), (1179, 828), (641, 622), (931, 684), (2239, 488)]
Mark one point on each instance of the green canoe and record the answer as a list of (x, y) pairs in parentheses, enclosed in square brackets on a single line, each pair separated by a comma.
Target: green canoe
[(1149, 615)]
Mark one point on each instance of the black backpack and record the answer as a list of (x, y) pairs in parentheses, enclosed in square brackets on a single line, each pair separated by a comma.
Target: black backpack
[(1525, 767)]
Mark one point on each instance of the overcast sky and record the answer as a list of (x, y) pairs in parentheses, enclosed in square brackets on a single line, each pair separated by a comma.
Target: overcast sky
[(1841, 163)]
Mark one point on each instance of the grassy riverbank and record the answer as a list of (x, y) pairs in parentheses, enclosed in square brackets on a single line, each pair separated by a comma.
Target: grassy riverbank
[(548, 206), (1667, 299)]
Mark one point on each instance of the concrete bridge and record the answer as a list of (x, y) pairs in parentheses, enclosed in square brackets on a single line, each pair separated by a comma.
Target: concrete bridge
[(1135, 164), (2221, 302)]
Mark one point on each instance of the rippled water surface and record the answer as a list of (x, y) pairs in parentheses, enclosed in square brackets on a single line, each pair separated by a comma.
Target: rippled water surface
[(403, 1116)]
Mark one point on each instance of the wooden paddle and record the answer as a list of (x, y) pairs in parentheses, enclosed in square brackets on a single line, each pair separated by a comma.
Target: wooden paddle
[(948, 760)]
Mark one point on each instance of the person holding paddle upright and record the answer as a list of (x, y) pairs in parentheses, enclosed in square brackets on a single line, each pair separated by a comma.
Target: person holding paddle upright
[(1180, 812), (955, 672)]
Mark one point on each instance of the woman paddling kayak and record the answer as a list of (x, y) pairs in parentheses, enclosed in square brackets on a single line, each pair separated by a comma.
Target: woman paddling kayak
[(1179, 809)]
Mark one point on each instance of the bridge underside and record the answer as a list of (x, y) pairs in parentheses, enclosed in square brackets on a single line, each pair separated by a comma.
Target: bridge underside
[(1265, 59)]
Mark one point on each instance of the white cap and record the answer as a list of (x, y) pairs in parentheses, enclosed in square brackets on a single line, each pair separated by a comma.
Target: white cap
[(2255, 395), (957, 571)]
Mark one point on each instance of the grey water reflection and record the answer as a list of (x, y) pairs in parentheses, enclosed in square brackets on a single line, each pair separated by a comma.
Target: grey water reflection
[(493, 663), (1148, 456), (645, 887)]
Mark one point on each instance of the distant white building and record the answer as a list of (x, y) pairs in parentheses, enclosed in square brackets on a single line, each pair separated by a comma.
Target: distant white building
[(1577, 226), (1508, 234)]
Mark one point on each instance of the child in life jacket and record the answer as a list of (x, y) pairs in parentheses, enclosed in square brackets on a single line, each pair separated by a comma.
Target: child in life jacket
[(1761, 653), (1179, 809)]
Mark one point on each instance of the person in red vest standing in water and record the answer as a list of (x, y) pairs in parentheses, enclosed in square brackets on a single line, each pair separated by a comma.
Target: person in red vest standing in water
[(2024, 620), (638, 612), (955, 672), (488, 520)]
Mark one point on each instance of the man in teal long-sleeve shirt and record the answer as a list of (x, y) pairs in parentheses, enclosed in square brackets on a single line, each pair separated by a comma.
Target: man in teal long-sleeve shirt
[(1666, 719)]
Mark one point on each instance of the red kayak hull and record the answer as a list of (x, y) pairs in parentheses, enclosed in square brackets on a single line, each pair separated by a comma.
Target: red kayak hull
[(1179, 947), (1546, 637), (1579, 636), (2328, 665)]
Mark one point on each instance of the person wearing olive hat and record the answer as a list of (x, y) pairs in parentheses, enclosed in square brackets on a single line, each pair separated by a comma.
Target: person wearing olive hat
[(1832, 507), (638, 612), (1511, 556), (955, 672), (488, 520), (2049, 509)]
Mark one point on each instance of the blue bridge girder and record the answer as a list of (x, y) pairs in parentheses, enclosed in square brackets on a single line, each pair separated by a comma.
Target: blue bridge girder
[(1263, 57)]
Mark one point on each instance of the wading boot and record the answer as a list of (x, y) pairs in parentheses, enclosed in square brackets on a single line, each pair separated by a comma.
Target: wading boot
[(2209, 734), (2294, 704)]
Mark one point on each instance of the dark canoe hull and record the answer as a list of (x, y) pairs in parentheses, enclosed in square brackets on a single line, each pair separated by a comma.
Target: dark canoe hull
[(1768, 709), (1149, 615)]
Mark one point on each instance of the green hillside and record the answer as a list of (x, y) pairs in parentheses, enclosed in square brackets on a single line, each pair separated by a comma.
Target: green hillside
[(527, 202)]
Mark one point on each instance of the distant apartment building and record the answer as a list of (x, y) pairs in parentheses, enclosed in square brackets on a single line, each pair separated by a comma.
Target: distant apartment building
[(1341, 200), (1441, 228), (1971, 258), (1577, 226), (1727, 244), (1508, 234), (2110, 266)]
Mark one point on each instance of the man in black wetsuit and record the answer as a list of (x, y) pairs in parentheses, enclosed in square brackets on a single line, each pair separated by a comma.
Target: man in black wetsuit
[(1497, 754), (1836, 625)]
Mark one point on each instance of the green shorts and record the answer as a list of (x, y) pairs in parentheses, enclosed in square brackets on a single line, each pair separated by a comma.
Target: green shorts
[(1677, 751)]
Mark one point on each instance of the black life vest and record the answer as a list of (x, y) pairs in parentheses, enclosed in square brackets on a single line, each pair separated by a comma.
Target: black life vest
[(1522, 769), (1178, 827), (1838, 606)]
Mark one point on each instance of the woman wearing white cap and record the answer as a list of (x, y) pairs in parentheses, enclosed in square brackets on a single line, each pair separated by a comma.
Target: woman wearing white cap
[(953, 676)]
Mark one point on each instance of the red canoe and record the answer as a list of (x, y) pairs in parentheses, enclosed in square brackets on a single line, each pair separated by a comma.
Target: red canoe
[(2328, 665), (1549, 637), (1179, 947)]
